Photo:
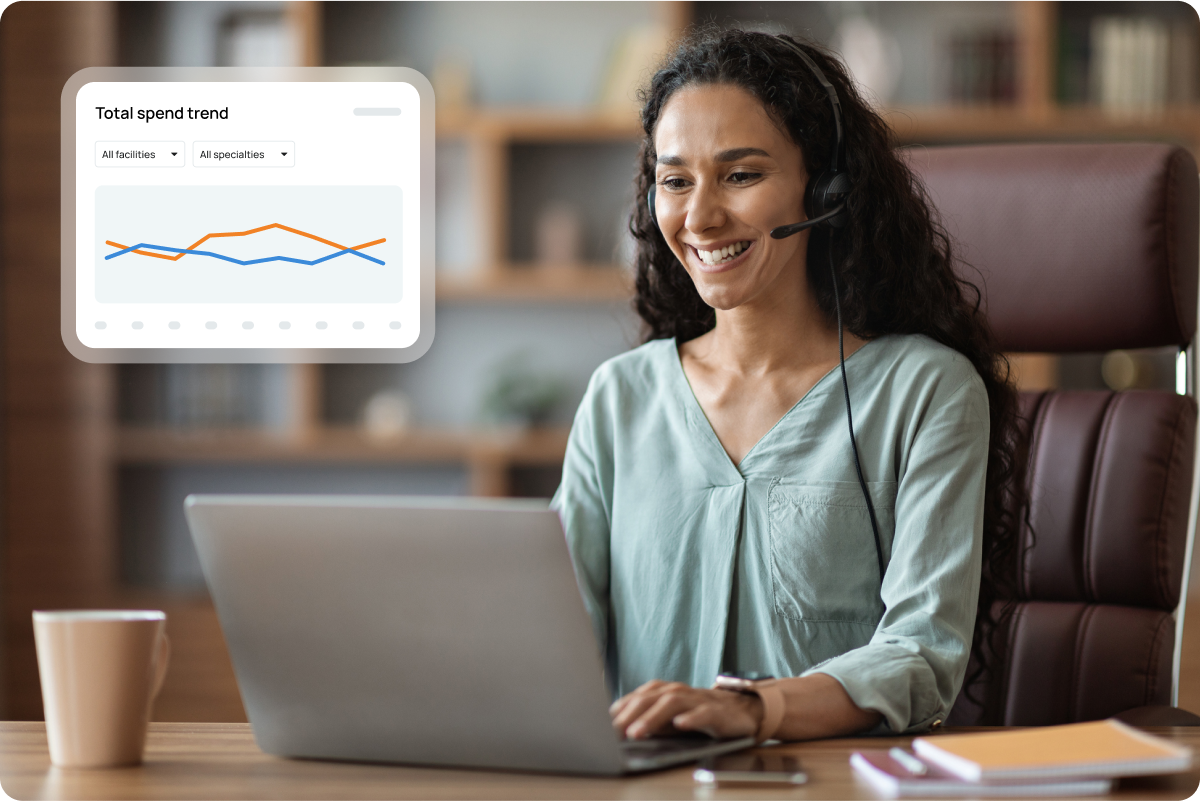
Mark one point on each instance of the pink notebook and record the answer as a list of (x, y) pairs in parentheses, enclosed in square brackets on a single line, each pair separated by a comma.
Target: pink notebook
[(893, 778)]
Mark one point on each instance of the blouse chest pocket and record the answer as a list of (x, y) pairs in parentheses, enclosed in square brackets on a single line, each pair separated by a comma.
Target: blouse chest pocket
[(823, 561)]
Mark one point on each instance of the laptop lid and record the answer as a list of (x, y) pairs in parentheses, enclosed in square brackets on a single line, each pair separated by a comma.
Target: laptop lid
[(421, 630)]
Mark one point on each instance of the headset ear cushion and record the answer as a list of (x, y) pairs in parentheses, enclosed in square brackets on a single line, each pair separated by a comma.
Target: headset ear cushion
[(650, 203), (824, 193)]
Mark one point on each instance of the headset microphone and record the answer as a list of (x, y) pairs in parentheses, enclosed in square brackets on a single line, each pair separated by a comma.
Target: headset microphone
[(784, 231)]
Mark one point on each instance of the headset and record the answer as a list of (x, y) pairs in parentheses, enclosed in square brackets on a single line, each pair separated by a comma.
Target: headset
[(824, 203)]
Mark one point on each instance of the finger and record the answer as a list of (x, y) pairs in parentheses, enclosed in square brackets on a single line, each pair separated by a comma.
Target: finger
[(635, 709), (657, 719), (620, 703), (637, 702), (701, 718), (633, 706)]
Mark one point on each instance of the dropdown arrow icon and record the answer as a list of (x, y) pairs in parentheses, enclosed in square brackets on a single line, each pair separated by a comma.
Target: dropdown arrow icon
[(174, 152), (284, 153)]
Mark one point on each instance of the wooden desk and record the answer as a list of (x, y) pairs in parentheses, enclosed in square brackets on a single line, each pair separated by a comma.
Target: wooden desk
[(220, 761)]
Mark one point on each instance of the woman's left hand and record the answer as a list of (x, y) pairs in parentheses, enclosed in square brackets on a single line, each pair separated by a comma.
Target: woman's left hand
[(660, 707)]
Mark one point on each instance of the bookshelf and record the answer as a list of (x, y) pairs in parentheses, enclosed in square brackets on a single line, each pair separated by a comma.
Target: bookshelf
[(488, 136), (540, 284), (1035, 115), (487, 453)]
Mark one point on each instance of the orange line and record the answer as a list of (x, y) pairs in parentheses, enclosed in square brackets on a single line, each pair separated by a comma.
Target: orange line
[(207, 237), (142, 252)]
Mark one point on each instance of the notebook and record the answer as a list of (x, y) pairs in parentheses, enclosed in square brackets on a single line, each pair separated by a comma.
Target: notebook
[(893, 778), (1101, 749)]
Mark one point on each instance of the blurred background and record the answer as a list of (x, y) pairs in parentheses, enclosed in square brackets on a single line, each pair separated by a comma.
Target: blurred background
[(537, 133)]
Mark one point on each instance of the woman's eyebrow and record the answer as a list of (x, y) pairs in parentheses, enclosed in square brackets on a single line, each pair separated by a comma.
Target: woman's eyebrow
[(725, 156), (739, 153)]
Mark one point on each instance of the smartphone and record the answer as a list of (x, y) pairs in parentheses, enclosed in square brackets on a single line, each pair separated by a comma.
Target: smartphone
[(750, 768)]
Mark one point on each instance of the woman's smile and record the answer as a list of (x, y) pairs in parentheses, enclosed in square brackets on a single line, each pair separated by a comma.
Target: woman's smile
[(719, 257)]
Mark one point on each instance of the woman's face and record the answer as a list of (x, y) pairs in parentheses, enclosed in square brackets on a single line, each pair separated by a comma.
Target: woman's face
[(726, 175)]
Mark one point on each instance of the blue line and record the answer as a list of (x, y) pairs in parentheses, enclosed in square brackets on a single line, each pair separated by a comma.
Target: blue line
[(239, 261)]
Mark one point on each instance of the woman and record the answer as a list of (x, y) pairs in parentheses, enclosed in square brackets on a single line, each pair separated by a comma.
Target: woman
[(710, 492)]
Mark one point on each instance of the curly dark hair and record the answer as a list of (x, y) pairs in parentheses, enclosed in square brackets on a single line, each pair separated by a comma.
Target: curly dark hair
[(895, 268)]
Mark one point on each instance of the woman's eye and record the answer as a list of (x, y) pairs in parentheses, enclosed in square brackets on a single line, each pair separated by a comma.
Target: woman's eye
[(744, 177), (673, 183)]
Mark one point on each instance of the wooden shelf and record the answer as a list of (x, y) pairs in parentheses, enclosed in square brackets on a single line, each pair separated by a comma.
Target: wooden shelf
[(537, 446), (991, 123), (939, 123), (538, 125), (538, 283)]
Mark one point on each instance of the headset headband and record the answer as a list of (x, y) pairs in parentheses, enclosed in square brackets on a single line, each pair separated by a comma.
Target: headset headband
[(833, 99)]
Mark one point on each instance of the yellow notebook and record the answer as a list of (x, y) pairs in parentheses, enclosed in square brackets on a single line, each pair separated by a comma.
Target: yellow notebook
[(1103, 749)]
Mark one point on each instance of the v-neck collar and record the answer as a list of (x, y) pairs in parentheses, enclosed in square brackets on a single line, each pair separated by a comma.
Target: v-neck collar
[(693, 404)]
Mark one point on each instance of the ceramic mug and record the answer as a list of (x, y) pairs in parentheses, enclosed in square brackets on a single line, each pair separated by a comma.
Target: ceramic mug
[(101, 670)]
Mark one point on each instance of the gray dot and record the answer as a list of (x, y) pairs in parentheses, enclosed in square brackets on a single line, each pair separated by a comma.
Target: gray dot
[(358, 326), (101, 324), (210, 325), (322, 325), (394, 324), (285, 325), (137, 326), (173, 324), (247, 325)]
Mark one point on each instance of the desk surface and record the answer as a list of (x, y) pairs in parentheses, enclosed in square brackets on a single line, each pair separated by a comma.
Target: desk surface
[(220, 760)]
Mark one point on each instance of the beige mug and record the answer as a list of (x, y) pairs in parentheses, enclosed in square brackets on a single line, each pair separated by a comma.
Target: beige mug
[(101, 670)]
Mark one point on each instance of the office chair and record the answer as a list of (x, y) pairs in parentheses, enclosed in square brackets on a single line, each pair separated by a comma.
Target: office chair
[(1088, 248)]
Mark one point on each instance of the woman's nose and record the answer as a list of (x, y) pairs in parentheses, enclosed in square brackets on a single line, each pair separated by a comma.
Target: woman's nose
[(705, 208)]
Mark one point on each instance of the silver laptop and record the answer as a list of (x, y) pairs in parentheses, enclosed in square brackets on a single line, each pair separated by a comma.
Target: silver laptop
[(418, 630)]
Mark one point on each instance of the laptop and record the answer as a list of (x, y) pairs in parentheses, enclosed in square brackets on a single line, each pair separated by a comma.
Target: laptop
[(435, 631)]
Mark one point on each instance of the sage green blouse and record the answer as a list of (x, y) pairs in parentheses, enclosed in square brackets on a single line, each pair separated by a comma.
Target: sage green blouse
[(691, 566)]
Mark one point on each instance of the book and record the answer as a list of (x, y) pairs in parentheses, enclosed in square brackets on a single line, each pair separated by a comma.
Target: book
[(983, 68), (1100, 749), (1129, 64), (894, 778)]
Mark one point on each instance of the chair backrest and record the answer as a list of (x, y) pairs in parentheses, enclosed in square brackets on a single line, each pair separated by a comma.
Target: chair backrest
[(1077, 248)]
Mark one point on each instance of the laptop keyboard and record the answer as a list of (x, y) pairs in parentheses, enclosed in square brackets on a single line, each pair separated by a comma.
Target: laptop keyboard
[(658, 752), (663, 745)]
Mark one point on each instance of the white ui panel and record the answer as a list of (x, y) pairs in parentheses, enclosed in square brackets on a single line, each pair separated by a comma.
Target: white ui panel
[(246, 215)]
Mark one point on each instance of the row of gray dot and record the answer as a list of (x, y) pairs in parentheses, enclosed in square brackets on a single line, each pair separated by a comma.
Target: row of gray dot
[(211, 324)]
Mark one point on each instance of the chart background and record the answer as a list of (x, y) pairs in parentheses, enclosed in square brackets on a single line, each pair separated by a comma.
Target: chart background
[(177, 216)]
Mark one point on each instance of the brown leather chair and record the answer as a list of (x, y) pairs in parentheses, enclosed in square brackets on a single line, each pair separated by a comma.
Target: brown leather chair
[(1085, 248)]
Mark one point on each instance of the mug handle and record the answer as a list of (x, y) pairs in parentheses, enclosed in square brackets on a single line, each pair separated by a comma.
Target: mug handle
[(162, 657)]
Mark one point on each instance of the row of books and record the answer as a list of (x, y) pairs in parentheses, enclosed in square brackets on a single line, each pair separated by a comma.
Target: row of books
[(1052, 761), (983, 68), (198, 396), (1128, 65)]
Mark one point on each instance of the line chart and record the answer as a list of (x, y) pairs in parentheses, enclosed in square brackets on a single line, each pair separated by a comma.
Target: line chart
[(191, 250), (150, 246)]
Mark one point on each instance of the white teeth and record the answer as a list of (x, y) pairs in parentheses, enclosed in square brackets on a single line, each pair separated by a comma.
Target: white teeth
[(722, 254)]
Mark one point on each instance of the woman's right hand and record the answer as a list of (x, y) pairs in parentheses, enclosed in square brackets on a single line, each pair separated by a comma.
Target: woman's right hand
[(661, 707)]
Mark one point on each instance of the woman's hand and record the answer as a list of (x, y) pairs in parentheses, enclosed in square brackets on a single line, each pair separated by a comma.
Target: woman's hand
[(660, 707), (814, 706)]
